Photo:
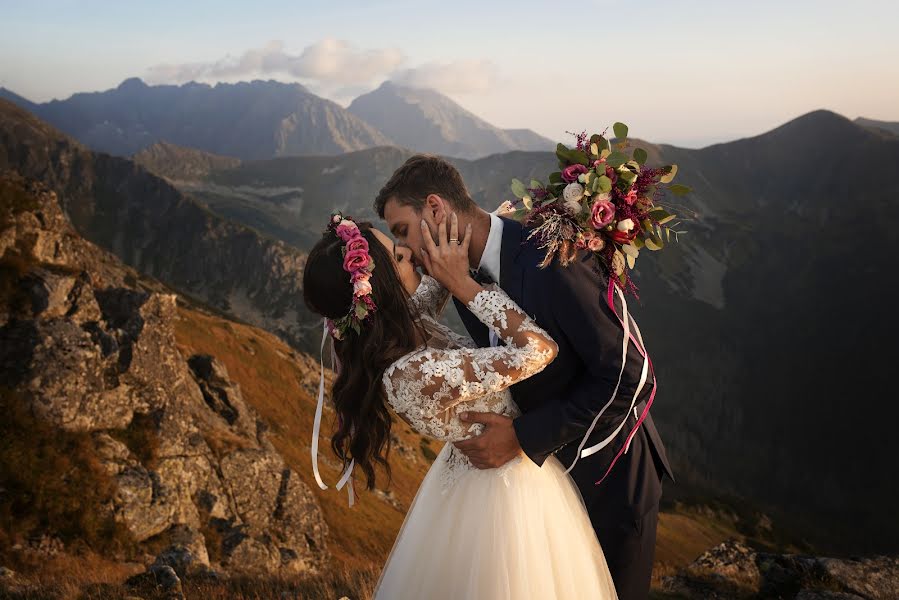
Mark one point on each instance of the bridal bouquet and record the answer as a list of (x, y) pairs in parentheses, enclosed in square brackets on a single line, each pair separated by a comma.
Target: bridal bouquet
[(603, 199)]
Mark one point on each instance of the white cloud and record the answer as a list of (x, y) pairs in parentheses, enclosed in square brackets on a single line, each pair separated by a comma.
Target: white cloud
[(457, 77), (329, 62)]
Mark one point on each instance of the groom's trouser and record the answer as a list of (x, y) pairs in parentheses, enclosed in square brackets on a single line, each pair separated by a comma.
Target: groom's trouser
[(624, 511)]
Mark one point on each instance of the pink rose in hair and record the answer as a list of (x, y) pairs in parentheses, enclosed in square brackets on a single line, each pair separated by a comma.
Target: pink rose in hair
[(346, 231), (631, 197), (362, 274), (357, 243), (355, 260), (572, 172), (603, 212), (362, 287)]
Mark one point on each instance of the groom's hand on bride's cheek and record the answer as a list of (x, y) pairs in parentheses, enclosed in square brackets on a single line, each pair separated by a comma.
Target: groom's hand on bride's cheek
[(496, 446)]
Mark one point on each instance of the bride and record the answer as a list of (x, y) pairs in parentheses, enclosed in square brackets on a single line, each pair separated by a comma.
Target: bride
[(516, 532)]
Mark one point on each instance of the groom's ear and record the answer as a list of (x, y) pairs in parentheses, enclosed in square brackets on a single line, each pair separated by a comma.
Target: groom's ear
[(437, 208)]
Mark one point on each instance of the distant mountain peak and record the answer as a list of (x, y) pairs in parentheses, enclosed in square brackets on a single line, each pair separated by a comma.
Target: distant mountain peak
[(426, 120), (133, 83)]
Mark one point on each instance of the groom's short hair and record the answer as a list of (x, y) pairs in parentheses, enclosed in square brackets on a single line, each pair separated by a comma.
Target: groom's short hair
[(420, 176)]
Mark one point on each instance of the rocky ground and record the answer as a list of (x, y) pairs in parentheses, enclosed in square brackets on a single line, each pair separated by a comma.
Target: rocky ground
[(196, 483)]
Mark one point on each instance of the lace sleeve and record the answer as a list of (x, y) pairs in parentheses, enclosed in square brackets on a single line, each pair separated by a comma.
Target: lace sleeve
[(423, 386), (430, 298)]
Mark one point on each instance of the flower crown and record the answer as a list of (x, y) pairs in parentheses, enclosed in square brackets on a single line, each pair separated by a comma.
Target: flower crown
[(359, 264), (602, 199)]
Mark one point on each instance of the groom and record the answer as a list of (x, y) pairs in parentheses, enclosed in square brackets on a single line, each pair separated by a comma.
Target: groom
[(559, 404)]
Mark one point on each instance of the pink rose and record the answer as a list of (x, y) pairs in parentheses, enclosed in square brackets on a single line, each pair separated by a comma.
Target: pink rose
[(631, 197), (603, 213), (357, 243), (355, 260), (596, 163), (360, 275), (346, 230), (571, 172), (362, 287), (595, 244)]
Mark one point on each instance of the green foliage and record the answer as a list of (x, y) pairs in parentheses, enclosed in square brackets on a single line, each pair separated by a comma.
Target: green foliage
[(518, 188), (640, 156), (616, 159), (670, 172)]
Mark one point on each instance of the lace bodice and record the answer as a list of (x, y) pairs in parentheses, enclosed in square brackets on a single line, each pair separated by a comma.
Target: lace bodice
[(430, 386)]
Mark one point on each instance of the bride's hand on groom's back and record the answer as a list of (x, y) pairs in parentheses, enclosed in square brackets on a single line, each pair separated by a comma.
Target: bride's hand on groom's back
[(447, 259)]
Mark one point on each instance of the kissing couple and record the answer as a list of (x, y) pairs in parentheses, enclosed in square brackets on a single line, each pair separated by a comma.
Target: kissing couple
[(511, 507)]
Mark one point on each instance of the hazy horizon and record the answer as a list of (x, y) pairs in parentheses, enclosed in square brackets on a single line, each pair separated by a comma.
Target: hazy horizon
[(691, 76)]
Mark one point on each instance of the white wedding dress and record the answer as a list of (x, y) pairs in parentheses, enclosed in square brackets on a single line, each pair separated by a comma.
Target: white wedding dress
[(518, 532)]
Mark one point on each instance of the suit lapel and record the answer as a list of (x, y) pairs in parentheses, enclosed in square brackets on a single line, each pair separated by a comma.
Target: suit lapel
[(510, 274)]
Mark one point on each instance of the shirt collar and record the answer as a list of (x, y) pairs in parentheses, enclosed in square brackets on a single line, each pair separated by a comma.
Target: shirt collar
[(490, 259)]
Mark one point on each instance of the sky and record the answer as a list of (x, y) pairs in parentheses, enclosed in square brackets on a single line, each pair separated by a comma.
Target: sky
[(686, 73)]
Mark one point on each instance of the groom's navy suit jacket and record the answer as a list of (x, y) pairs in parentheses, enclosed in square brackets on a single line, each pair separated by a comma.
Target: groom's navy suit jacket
[(560, 403)]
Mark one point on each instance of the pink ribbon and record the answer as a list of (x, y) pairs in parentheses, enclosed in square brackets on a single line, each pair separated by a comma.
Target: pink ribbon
[(652, 395)]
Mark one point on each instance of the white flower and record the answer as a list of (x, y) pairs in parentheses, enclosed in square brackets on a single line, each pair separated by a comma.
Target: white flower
[(573, 191), (573, 207), (625, 225)]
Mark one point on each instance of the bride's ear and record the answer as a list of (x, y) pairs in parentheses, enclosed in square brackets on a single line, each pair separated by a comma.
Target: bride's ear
[(436, 206)]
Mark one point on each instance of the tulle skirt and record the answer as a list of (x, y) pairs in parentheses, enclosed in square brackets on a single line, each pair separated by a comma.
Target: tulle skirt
[(517, 535)]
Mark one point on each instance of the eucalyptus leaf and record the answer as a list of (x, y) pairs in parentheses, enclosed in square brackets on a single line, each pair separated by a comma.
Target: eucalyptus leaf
[(651, 245), (630, 250), (631, 261), (536, 185), (620, 130), (679, 190), (594, 149), (670, 172), (628, 176), (578, 157), (605, 184), (640, 155), (528, 203), (616, 159), (555, 177), (519, 189)]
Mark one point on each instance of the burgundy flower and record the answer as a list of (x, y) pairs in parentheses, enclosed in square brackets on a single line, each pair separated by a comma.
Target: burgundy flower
[(571, 172)]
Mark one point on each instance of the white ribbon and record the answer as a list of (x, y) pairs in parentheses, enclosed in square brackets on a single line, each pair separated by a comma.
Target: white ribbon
[(317, 423), (624, 344), (345, 479), (597, 447)]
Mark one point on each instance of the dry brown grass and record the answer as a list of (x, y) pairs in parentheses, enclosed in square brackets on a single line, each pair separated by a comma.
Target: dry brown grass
[(272, 381)]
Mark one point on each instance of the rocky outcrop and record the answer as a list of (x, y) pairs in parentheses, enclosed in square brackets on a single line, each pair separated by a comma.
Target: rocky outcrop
[(194, 472), (733, 570)]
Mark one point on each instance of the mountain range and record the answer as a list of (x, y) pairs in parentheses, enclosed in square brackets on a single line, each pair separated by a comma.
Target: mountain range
[(266, 119)]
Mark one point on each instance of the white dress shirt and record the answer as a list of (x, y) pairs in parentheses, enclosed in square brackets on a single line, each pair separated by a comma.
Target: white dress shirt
[(490, 259)]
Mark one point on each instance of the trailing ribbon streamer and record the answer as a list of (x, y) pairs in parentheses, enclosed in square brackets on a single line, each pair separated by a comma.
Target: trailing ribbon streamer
[(317, 423), (647, 368), (642, 349), (346, 478), (580, 447)]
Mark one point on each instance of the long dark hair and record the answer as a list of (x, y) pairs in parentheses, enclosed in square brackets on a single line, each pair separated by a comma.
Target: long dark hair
[(363, 420)]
